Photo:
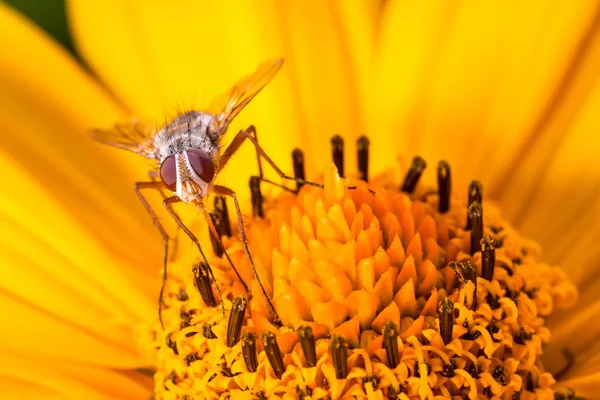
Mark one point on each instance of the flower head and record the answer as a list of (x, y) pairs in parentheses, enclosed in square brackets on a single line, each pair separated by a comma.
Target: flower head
[(378, 293)]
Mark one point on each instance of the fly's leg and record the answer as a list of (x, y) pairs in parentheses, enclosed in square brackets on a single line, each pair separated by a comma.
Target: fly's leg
[(223, 191), (155, 177), (250, 134), (163, 233), (214, 232), (168, 203)]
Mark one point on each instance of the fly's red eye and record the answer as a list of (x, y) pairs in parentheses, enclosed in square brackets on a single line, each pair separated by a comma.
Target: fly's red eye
[(202, 164), (168, 173)]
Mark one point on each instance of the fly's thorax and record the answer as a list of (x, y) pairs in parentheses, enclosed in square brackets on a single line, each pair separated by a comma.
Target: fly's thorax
[(190, 130)]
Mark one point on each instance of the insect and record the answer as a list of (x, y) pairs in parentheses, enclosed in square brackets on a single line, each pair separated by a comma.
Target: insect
[(188, 153)]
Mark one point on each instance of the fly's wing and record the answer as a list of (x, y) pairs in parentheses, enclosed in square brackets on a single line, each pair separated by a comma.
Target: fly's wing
[(134, 136), (229, 105)]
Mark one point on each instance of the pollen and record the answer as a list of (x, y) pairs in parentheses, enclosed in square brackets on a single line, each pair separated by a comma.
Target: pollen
[(383, 290)]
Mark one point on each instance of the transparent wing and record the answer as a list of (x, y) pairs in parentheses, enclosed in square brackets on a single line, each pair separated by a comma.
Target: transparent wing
[(230, 104), (134, 136)]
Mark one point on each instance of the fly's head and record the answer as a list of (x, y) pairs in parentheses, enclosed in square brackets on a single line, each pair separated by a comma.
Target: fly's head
[(189, 174)]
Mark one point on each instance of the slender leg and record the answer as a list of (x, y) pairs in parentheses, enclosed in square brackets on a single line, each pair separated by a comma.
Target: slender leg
[(156, 185), (223, 191), (155, 177), (214, 232), (249, 133), (168, 203)]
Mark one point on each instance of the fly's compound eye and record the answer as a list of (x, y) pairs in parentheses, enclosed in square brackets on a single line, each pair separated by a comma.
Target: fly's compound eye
[(202, 164), (168, 173)]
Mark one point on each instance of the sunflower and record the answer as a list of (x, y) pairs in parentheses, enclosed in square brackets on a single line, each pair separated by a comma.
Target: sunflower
[(506, 94)]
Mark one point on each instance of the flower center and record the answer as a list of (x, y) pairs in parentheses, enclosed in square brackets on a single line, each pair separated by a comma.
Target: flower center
[(382, 289)]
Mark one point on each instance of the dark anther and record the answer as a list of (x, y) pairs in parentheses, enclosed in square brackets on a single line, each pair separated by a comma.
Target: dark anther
[(337, 153), (488, 257), (475, 195), (362, 146), (466, 271), (339, 356), (413, 174), (373, 380), (446, 320), (215, 217), (307, 342), (493, 328), (393, 394), (521, 336), (476, 218), (256, 197), (190, 358), (517, 261), (298, 161), (249, 351), (273, 353), (418, 371), (261, 395), (172, 344), (207, 331), (444, 185), (500, 376), (172, 377), (221, 207), (182, 295), (474, 370), (203, 281), (184, 315), (302, 394), (226, 371), (449, 368), (236, 320), (390, 343), (530, 383)]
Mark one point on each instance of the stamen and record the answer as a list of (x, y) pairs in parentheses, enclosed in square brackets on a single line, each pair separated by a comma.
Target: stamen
[(207, 331), (362, 146), (224, 227), (475, 195), (192, 357), (172, 344), (339, 356), (446, 320), (256, 197), (466, 271), (449, 368), (216, 220), (182, 295), (476, 218), (413, 174), (390, 343), (203, 282), (337, 153), (488, 257), (249, 351), (298, 161), (236, 320), (500, 375), (444, 185), (273, 353), (307, 342)]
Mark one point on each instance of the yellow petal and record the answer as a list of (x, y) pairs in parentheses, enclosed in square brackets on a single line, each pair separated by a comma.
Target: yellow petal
[(31, 379), (49, 102)]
